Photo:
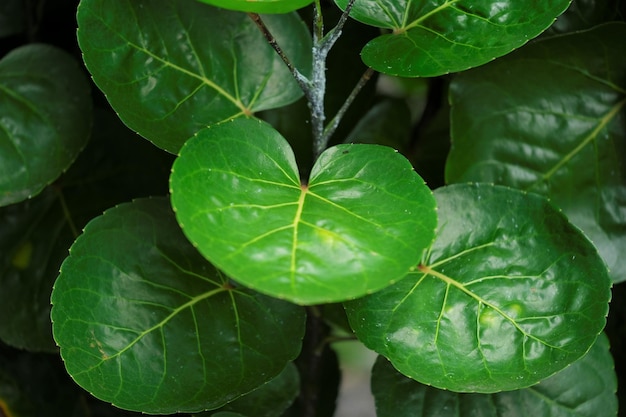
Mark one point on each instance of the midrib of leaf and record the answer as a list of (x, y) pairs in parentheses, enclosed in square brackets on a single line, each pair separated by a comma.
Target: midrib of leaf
[(201, 78), (604, 121), (452, 282), (421, 19), (294, 243), (162, 323)]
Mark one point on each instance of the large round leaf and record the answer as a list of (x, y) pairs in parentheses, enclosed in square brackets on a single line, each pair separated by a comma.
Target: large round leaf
[(585, 389), (260, 6), (172, 67), (431, 38), (552, 120), (45, 119), (144, 322), (360, 222), (509, 294)]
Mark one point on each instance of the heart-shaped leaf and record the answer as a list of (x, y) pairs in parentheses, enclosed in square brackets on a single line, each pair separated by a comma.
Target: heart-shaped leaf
[(172, 67), (431, 38), (260, 6), (563, 136), (584, 389), (509, 294), (45, 119), (144, 322), (362, 220)]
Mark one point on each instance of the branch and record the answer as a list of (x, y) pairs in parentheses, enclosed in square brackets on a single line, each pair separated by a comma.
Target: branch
[(302, 81), (334, 123)]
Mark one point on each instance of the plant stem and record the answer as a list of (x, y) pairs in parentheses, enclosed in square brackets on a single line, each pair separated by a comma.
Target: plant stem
[(302, 81), (315, 88), (334, 123)]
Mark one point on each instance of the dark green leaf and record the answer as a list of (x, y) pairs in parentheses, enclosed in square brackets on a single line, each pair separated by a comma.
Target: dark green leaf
[(388, 123), (260, 6), (362, 220), (585, 389), (34, 238), (551, 119), (172, 67), (269, 400), (46, 118), (585, 14), (509, 294), (35, 234), (144, 322), (432, 38)]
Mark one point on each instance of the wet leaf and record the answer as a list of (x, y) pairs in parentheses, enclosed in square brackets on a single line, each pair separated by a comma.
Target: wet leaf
[(509, 294), (144, 322), (552, 120), (430, 38), (172, 67), (584, 389), (359, 223), (46, 118)]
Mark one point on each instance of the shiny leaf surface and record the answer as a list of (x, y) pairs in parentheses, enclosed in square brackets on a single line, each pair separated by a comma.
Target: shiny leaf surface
[(45, 119), (36, 234), (584, 389), (144, 322), (552, 120), (269, 400), (360, 222), (260, 6), (430, 38), (509, 294), (172, 67)]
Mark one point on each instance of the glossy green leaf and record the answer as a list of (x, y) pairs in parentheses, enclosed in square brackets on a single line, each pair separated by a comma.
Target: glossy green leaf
[(34, 238), (35, 234), (585, 14), (585, 389), (269, 400), (260, 6), (359, 223), (144, 322), (45, 119), (430, 38), (387, 123), (172, 67), (509, 294), (551, 119)]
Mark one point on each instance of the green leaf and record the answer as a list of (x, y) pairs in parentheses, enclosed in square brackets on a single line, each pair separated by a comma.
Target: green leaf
[(269, 400), (561, 136), (172, 67), (585, 14), (35, 234), (387, 123), (431, 38), (362, 220), (260, 6), (144, 322), (34, 238), (509, 294), (585, 389), (46, 118)]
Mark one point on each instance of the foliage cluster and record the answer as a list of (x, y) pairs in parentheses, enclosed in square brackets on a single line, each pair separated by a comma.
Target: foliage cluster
[(199, 199)]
